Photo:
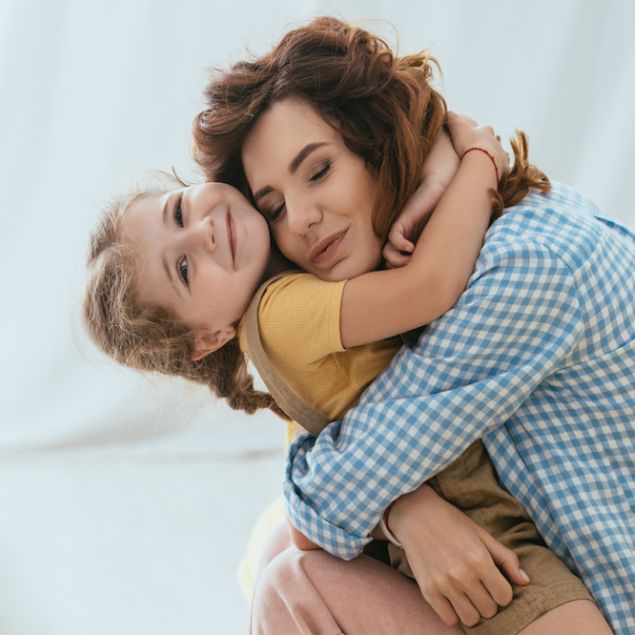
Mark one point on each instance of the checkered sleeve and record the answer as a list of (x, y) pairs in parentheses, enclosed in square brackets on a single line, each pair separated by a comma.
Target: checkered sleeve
[(517, 322)]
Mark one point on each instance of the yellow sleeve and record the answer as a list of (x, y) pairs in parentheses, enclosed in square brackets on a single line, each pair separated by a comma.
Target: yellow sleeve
[(299, 319)]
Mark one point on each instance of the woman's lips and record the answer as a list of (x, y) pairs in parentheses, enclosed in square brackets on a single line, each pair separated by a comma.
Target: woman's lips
[(324, 251)]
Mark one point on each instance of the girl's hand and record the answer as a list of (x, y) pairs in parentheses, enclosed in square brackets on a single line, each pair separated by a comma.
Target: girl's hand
[(437, 172), (453, 559), (467, 134), (410, 223)]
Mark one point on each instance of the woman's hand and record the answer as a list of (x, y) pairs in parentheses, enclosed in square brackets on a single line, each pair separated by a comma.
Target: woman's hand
[(454, 560), (467, 134), (438, 170)]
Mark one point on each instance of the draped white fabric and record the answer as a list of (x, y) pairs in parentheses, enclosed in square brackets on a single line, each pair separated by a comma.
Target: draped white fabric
[(125, 500)]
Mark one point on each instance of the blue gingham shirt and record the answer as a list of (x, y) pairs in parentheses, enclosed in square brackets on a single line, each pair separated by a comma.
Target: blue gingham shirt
[(537, 358)]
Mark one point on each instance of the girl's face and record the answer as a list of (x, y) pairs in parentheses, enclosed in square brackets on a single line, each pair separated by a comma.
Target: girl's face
[(316, 194), (203, 251)]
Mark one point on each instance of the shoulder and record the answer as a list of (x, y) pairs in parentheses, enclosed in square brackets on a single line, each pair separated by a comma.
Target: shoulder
[(297, 294), (300, 312), (545, 228), (297, 282)]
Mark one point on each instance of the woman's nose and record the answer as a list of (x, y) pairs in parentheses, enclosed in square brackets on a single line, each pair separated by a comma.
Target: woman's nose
[(301, 215)]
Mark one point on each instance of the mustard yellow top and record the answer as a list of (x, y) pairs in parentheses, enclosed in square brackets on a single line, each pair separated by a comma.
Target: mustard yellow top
[(299, 324)]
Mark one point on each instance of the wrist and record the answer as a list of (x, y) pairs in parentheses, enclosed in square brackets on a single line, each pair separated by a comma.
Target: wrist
[(442, 162), (484, 151), (436, 186), (403, 510)]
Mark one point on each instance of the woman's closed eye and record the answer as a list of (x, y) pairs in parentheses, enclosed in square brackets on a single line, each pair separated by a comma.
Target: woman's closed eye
[(275, 213), (321, 173)]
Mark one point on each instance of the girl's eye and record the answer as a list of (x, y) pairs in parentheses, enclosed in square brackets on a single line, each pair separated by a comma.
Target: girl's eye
[(178, 214), (182, 268), (321, 173)]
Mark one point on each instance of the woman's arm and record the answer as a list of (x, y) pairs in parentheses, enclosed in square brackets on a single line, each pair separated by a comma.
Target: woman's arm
[(515, 325), (444, 258), (456, 562)]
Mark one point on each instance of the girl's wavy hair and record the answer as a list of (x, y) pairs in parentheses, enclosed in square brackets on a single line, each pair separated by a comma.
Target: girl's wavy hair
[(383, 105), (147, 337)]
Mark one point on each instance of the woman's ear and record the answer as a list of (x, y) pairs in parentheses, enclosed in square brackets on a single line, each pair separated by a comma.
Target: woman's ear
[(206, 342)]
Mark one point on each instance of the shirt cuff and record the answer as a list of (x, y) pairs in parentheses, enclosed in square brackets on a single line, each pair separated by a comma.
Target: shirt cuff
[(332, 538)]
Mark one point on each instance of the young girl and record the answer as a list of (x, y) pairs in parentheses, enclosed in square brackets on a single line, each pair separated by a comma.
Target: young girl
[(523, 356)]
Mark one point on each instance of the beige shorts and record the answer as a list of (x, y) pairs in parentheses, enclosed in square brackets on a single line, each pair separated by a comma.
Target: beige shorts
[(470, 484)]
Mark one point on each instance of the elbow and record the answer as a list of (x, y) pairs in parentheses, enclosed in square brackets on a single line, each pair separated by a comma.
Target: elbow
[(453, 292), (446, 295)]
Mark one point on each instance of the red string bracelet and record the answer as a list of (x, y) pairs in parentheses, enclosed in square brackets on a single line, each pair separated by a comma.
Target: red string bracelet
[(489, 154)]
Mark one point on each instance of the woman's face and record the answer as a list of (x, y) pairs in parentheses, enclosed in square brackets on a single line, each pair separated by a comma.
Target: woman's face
[(203, 251), (316, 194)]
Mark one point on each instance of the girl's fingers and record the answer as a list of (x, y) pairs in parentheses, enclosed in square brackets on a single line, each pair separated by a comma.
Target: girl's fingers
[(397, 239), (406, 246), (393, 257), (399, 242)]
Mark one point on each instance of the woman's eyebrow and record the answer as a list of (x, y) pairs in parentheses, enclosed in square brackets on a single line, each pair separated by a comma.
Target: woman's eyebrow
[(304, 153), (261, 192), (294, 165)]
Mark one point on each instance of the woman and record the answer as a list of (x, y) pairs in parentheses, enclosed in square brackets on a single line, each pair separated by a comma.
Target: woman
[(352, 105)]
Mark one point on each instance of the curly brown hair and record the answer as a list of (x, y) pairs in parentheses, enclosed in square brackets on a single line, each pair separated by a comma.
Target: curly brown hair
[(383, 106), (147, 337)]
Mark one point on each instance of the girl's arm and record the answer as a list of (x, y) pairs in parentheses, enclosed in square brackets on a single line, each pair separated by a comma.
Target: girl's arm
[(382, 304), (436, 175)]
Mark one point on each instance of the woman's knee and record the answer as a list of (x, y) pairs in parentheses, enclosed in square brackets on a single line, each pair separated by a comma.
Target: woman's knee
[(286, 599), (277, 541)]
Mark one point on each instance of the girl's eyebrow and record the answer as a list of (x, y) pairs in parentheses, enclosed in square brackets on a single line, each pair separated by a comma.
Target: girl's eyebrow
[(294, 165)]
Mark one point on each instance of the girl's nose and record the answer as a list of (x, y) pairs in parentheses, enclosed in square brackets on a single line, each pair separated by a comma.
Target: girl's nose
[(300, 216), (201, 235)]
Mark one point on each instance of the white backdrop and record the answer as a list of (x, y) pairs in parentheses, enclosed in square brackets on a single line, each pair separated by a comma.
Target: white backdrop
[(125, 502)]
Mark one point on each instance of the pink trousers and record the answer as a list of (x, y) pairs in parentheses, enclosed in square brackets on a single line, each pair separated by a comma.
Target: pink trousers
[(314, 593)]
